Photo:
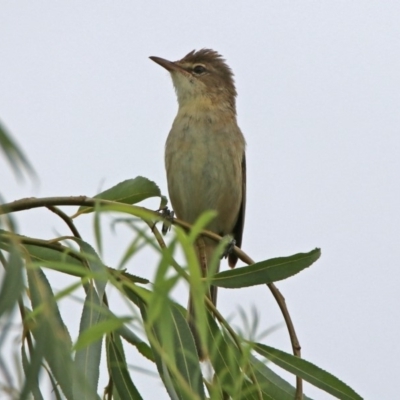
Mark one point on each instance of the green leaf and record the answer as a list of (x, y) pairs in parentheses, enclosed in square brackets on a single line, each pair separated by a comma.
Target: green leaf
[(309, 372), (13, 154), (87, 359), (186, 357), (54, 387), (42, 253), (248, 391), (66, 260), (42, 296), (138, 296), (175, 353), (130, 191), (267, 271), (32, 369), (48, 255), (158, 304), (51, 331), (224, 358), (118, 369), (96, 332), (61, 260), (259, 378), (134, 278), (13, 282), (200, 224), (96, 265), (143, 348), (271, 383)]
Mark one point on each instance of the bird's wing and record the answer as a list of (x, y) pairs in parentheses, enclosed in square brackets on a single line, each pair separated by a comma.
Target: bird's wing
[(239, 226)]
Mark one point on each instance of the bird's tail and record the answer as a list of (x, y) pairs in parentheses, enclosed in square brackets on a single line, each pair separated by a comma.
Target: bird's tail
[(205, 249)]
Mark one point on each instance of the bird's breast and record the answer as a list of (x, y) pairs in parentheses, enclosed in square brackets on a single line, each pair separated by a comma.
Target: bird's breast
[(203, 161)]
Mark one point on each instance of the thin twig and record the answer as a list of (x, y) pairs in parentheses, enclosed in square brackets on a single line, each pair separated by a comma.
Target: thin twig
[(66, 219)]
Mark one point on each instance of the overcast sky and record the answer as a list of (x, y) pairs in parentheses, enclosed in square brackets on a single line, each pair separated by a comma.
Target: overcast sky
[(319, 101)]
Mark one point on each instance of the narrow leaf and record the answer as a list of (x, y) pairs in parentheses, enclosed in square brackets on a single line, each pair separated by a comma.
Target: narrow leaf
[(51, 329), (14, 154), (248, 391), (143, 348), (134, 278), (60, 259), (223, 357), (267, 271), (32, 369), (270, 382), (186, 357), (87, 360), (119, 371), (175, 352), (42, 254), (156, 346), (13, 282), (96, 332), (96, 265), (309, 372), (54, 387), (130, 191)]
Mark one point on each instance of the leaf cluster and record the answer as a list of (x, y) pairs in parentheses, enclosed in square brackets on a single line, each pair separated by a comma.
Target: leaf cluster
[(156, 326)]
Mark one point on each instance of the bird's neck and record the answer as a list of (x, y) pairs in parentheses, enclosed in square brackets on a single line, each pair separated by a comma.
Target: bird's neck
[(207, 107)]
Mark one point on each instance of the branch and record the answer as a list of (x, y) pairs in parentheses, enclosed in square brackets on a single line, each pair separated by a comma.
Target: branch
[(66, 219), (33, 202)]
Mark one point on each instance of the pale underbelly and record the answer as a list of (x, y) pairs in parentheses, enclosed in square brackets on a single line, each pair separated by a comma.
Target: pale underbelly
[(209, 181)]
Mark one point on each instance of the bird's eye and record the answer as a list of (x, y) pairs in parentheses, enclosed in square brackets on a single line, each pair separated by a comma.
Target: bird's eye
[(199, 69)]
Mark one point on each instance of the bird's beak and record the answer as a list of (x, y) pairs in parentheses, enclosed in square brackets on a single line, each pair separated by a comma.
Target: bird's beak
[(168, 65)]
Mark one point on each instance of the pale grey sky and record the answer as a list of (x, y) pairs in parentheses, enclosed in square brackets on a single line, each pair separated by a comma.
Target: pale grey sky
[(319, 101)]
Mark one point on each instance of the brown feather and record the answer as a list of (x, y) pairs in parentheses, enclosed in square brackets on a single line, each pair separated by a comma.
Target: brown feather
[(237, 231)]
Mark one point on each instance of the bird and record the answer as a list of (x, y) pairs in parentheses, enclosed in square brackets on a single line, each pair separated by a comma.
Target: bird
[(205, 154)]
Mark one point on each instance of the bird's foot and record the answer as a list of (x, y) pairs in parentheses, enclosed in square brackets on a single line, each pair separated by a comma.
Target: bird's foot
[(168, 216), (229, 248)]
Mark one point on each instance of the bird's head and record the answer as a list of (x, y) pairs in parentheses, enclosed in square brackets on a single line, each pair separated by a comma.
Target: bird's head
[(201, 76)]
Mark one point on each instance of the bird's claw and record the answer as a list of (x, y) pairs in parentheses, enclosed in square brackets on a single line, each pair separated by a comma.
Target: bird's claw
[(229, 248), (168, 216)]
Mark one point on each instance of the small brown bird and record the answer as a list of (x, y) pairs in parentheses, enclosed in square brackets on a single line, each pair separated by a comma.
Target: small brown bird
[(205, 150)]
